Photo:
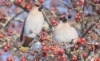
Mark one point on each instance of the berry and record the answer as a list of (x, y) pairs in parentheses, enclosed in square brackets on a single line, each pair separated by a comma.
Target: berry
[(19, 1), (95, 1), (44, 48), (8, 45), (13, 25), (9, 59), (58, 57), (89, 32), (44, 54), (5, 48), (23, 59), (53, 22), (1, 35), (55, 53), (1, 52), (84, 55), (61, 51), (74, 58), (52, 48), (77, 3), (7, 3)]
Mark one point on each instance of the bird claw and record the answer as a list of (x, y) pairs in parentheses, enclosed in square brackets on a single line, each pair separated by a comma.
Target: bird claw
[(24, 48)]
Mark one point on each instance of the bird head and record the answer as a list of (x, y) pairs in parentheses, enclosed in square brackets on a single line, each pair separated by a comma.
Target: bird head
[(38, 5), (63, 19)]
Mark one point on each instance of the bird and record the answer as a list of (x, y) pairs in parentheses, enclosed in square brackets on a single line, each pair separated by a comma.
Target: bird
[(32, 26), (65, 33)]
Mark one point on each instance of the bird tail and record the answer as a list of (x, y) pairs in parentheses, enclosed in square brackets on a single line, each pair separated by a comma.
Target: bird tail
[(21, 36), (27, 41)]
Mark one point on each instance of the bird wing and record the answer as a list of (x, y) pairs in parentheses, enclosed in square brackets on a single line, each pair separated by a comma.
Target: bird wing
[(21, 36)]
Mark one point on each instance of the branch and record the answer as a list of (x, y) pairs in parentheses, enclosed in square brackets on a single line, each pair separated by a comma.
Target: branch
[(90, 28)]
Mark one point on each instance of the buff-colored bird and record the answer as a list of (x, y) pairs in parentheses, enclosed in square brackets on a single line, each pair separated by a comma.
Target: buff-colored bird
[(64, 32), (32, 26)]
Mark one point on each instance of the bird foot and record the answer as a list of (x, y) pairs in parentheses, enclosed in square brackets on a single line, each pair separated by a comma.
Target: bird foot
[(24, 48)]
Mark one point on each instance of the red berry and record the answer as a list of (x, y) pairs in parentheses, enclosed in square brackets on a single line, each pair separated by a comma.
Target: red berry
[(13, 25), (83, 39), (96, 59), (7, 3), (44, 48), (76, 46), (5, 48), (81, 1), (44, 54), (58, 57), (89, 32), (90, 48), (23, 59), (79, 13), (1, 52), (82, 43), (53, 8), (77, 18), (64, 59), (84, 55), (9, 59), (79, 41), (77, 3), (28, 7), (43, 38), (99, 59), (74, 58), (53, 22), (0, 2), (61, 51), (55, 53), (95, 1), (1, 35), (10, 31), (43, 44), (52, 48), (8, 45), (19, 1)]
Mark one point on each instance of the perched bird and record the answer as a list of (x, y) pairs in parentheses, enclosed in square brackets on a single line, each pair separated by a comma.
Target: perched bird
[(32, 26), (64, 32)]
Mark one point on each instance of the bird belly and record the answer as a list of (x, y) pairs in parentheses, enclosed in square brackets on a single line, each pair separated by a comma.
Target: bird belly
[(65, 36), (33, 26)]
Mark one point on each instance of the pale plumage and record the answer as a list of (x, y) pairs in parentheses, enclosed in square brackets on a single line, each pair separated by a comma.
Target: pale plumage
[(34, 23), (32, 26), (65, 33)]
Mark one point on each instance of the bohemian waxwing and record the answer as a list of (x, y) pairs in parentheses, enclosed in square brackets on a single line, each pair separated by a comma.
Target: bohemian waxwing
[(32, 26), (64, 32)]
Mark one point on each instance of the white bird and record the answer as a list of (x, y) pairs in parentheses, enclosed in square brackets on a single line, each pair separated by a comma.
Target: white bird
[(64, 32), (32, 26)]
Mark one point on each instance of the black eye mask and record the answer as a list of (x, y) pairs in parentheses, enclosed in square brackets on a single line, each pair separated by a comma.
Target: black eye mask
[(63, 19), (40, 8)]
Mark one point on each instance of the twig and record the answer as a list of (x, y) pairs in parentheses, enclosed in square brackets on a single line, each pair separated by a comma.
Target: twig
[(89, 28), (7, 22)]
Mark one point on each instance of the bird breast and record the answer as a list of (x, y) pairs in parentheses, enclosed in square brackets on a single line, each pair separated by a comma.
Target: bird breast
[(33, 23), (65, 33)]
